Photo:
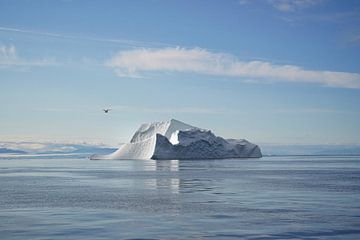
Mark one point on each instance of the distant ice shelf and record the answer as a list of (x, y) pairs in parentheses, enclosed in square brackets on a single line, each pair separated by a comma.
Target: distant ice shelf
[(174, 139)]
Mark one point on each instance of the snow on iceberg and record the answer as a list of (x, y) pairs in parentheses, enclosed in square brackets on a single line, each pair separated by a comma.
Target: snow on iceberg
[(174, 139)]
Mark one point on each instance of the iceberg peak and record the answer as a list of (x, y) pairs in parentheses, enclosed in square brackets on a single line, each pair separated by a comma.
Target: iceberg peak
[(166, 128)]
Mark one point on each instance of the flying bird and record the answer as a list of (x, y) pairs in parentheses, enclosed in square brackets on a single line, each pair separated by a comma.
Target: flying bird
[(106, 110)]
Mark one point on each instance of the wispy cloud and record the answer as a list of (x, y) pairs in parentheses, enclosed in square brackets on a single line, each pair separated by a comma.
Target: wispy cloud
[(124, 42), (293, 5), (355, 39), (200, 61), (339, 17), (243, 2), (9, 58), (195, 110), (314, 110), (134, 109), (285, 5)]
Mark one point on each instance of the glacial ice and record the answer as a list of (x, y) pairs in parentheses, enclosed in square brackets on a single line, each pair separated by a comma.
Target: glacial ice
[(174, 139)]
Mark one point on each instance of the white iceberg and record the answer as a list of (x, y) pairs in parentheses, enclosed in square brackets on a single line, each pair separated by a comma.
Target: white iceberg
[(177, 140)]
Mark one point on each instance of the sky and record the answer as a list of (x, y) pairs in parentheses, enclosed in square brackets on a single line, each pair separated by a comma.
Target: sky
[(270, 71)]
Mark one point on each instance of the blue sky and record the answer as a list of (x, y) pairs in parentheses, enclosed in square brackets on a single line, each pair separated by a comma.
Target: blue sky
[(272, 71)]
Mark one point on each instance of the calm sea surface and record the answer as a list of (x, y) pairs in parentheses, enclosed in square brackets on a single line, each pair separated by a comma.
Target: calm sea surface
[(268, 198)]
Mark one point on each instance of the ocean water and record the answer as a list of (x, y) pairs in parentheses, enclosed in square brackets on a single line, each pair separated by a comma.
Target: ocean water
[(298, 197)]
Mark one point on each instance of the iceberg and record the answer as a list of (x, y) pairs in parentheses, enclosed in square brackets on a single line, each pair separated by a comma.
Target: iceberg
[(174, 139)]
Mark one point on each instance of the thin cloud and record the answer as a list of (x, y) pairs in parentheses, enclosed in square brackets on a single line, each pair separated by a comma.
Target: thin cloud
[(194, 110), (9, 58), (315, 111), (355, 39), (332, 17), (243, 2), (134, 109), (292, 5), (124, 42), (201, 61)]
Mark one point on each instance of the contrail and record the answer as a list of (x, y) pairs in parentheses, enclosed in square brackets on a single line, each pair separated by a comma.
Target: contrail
[(131, 43)]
